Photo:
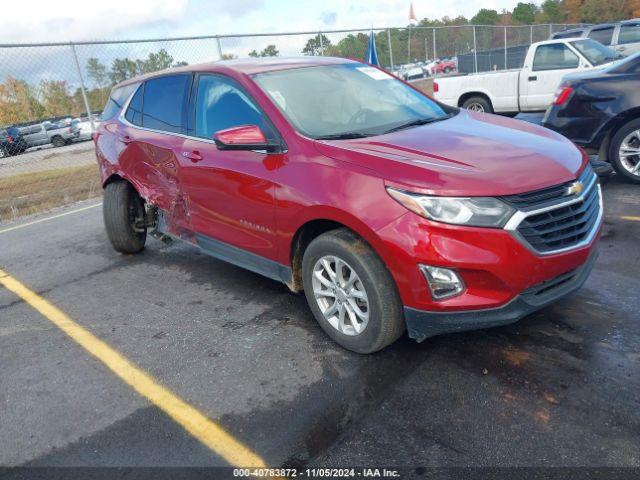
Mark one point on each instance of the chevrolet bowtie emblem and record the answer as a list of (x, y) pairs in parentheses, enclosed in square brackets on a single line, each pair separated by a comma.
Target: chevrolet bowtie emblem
[(575, 188)]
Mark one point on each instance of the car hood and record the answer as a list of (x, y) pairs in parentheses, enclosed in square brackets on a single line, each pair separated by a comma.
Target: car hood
[(471, 154)]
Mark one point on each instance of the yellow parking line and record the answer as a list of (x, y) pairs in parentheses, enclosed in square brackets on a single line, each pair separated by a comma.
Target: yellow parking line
[(197, 424), (22, 225), (635, 219)]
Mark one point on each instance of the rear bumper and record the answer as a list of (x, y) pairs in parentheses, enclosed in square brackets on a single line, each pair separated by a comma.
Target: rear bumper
[(423, 324)]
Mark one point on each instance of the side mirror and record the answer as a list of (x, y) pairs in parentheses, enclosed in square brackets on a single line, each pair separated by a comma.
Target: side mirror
[(244, 137)]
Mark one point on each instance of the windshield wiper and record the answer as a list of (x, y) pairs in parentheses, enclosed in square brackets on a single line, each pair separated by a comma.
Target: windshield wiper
[(418, 122), (343, 136)]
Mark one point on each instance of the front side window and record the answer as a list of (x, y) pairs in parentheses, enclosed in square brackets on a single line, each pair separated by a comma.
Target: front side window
[(555, 56), (629, 33), (164, 103), (602, 35), (595, 52), (347, 100), (221, 104)]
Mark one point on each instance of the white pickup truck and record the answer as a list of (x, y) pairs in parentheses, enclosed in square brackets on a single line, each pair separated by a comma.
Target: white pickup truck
[(530, 88)]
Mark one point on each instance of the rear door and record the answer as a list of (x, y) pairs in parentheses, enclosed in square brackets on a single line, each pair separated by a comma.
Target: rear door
[(35, 135), (551, 62), (151, 138), (628, 41), (230, 192)]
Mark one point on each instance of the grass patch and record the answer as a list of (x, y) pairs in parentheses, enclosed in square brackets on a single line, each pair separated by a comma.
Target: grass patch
[(29, 193)]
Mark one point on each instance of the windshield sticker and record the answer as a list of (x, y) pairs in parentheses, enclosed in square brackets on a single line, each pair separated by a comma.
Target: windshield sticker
[(277, 96), (374, 73)]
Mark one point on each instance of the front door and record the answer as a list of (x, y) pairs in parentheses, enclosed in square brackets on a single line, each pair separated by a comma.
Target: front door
[(230, 192), (551, 63)]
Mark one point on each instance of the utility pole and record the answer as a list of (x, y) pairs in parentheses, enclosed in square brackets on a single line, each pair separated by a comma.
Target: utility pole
[(84, 92), (390, 49)]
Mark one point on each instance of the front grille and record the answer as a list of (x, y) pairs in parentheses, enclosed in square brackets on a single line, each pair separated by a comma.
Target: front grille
[(540, 198), (569, 224)]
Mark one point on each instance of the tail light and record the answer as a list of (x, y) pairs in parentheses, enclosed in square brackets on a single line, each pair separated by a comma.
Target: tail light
[(9, 139), (70, 129), (436, 88), (562, 96)]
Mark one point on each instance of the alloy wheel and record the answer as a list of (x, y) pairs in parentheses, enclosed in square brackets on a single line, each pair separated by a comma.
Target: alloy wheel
[(629, 153), (340, 295), (475, 107)]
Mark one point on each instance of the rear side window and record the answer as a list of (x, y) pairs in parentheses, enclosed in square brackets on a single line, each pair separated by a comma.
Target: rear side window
[(602, 35), (116, 100), (629, 33), (164, 103), (134, 111), (556, 56), (220, 104)]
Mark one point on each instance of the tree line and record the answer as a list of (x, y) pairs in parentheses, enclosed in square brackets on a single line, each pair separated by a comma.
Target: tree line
[(410, 44)]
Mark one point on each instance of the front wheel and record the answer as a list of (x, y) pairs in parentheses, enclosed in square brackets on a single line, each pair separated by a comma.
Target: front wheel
[(351, 293), (624, 151), (124, 212), (478, 104)]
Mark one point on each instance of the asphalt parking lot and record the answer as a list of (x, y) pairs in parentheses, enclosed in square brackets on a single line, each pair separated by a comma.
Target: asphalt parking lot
[(559, 388)]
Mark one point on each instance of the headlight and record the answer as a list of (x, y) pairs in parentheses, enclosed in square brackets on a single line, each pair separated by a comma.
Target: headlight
[(472, 211)]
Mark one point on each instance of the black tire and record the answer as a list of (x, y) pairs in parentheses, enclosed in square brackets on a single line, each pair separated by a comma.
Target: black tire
[(478, 102), (614, 150), (120, 208), (386, 319), (58, 141), (3, 152)]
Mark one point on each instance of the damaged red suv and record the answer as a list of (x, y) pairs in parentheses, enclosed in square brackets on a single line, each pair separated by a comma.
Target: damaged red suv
[(391, 211)]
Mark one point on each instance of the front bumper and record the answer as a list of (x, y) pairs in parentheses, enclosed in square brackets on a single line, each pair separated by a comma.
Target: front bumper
[(423, 324)]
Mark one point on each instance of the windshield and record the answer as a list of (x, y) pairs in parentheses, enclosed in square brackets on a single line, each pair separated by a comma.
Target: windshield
[(347, 100), (594, 51), (629, 64)]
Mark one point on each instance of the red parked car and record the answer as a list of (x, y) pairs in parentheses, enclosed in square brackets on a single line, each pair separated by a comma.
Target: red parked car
[(391, 211), (444, 66)]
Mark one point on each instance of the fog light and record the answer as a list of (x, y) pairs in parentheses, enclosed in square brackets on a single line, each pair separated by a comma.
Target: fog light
[(442, 282)]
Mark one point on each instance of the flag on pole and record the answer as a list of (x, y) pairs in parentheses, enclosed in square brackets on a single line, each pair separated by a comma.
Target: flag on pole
[(372, 55), (412, 14)]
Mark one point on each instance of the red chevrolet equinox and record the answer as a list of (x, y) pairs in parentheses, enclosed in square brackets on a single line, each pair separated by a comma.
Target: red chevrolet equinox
[(390, 210)]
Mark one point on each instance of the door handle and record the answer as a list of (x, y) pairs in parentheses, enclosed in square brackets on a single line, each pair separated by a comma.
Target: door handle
[(193, 156), (533, 78), (126, 139)]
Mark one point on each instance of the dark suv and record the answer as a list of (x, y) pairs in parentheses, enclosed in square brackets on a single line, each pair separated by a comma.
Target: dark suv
[(599, 111), (11, 142)]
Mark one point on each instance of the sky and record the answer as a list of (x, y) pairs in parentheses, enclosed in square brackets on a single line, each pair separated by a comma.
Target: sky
[(45, 21)]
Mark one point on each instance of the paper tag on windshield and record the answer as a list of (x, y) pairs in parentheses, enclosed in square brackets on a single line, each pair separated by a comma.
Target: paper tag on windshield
[(277, 96), (374, 73)]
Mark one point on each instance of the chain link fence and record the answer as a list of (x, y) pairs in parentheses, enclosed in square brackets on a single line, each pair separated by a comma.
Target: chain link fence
[(51, 95)]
